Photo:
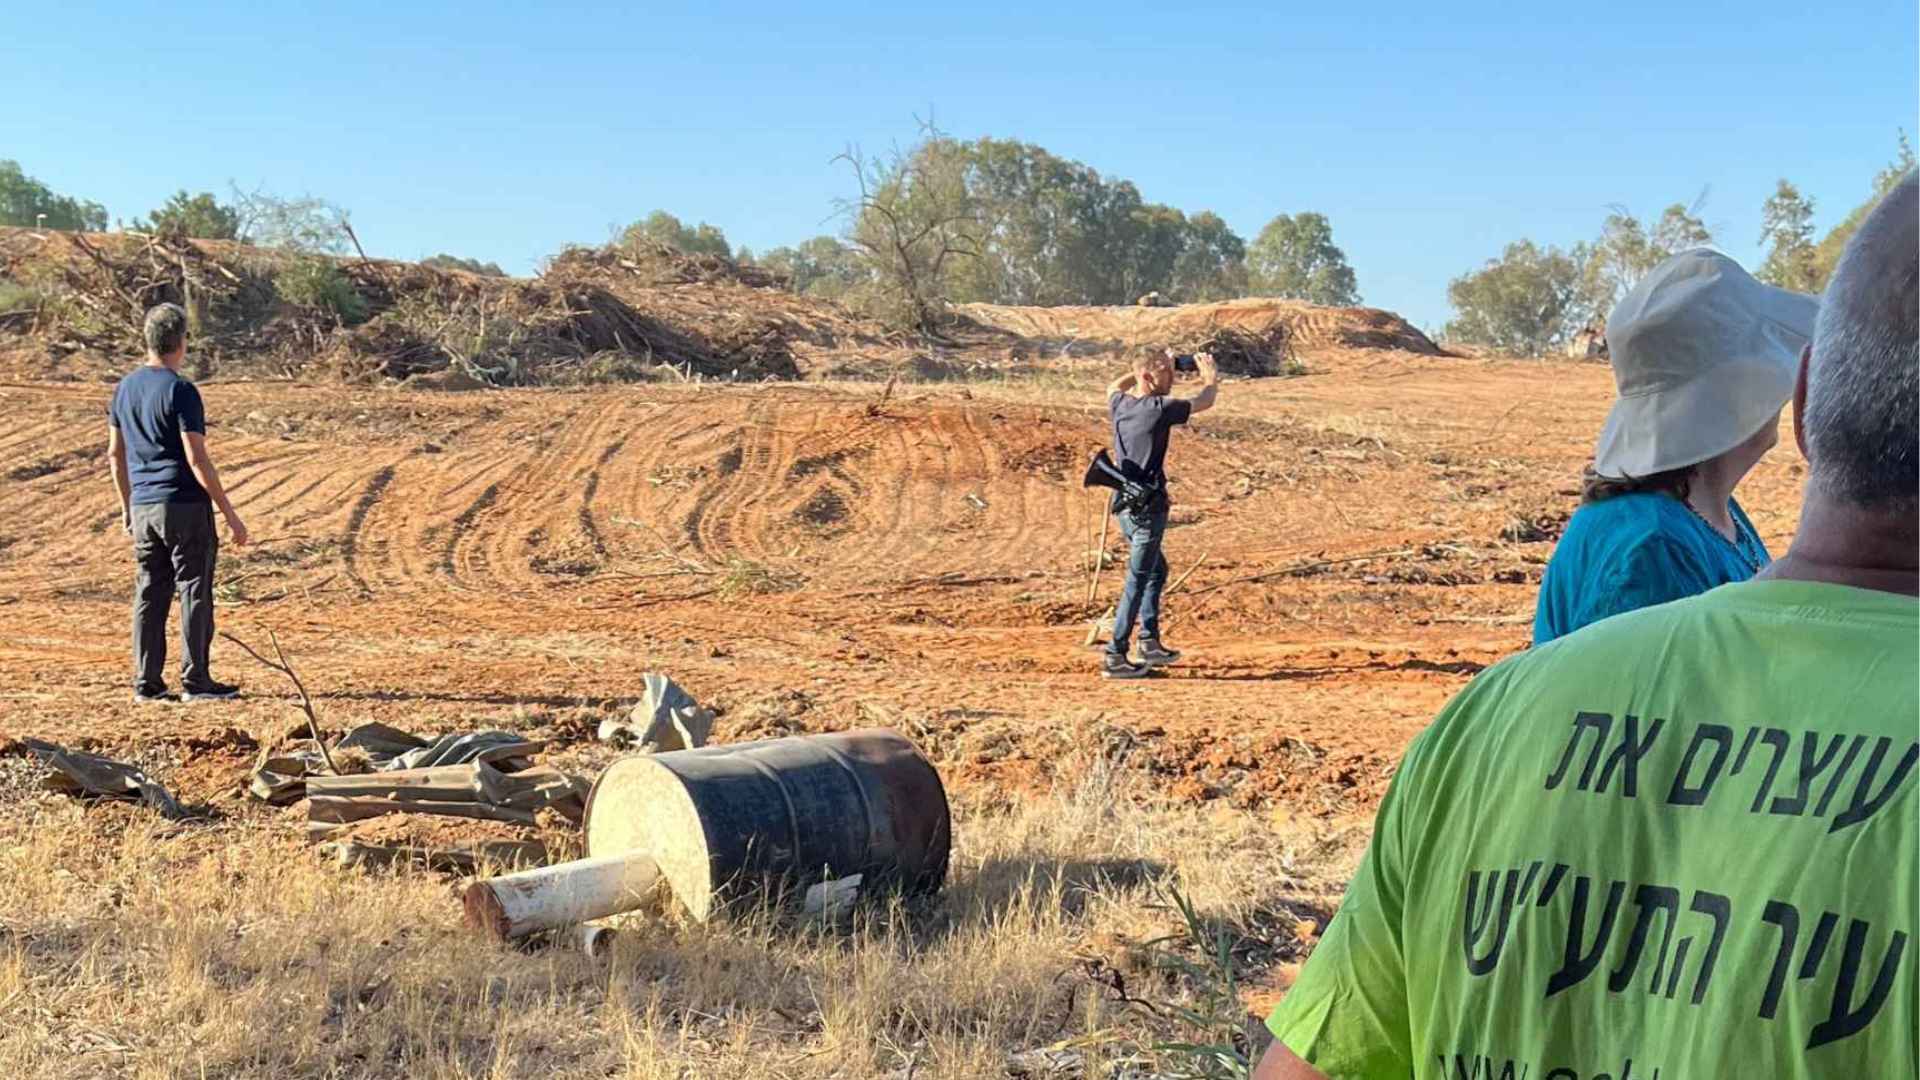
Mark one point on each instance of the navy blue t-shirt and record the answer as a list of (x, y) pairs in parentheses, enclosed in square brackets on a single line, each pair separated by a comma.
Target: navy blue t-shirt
[(1140, 429), (152, 407)]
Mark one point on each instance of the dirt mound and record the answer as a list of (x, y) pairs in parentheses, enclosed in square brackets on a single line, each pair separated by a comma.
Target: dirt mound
[(1254, 336), (594, 315), (72, 307)]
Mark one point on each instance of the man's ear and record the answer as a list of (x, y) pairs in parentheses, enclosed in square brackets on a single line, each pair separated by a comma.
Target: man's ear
[(1800, 400)]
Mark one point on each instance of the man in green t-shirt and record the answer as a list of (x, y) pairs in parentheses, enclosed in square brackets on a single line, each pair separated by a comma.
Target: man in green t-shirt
[(1683, 842)]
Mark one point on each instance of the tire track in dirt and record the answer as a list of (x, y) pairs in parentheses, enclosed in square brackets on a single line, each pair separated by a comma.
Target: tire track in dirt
[(45, 433), (285, 468), (537, 540), (55, 462), (892, 504), (527, 530), (438, 497), (458, 531), (589, 527), (741, 471), (438, 489), (825, 496), (350, 541), (634, 498)]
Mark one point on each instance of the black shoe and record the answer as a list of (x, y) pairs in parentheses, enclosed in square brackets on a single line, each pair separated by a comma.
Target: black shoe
[(1154, 654), (151, 697), (212, 691), (1116, 666)]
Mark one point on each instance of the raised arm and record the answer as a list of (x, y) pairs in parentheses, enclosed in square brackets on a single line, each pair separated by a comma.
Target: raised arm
[(1122, 384), (1210, 383), (202, 465), (117, 465)]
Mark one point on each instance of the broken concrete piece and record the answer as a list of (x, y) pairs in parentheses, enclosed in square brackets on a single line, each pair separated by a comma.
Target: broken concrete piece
[(667, 718)]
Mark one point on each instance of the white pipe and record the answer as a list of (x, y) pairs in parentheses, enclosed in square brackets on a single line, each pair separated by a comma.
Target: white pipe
[(516, 905), (594, 939)]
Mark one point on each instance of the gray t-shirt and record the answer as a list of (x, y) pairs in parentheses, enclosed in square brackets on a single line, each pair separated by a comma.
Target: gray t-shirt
[(1140, 429)]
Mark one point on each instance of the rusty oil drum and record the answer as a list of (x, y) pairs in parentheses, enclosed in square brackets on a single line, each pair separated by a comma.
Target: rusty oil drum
[(729, 821)]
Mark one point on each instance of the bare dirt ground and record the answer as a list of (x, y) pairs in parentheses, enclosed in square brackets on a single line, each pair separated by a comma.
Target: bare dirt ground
[(1363, 539), (806, 559)]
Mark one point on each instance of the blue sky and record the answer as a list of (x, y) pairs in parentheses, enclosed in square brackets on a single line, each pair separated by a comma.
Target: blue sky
[(1430, 134)]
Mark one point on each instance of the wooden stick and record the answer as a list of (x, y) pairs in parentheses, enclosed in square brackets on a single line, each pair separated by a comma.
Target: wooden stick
[(113, 277), (1099, 558), (306, 703), (1177, 582), (348, 225), (1093, 632)]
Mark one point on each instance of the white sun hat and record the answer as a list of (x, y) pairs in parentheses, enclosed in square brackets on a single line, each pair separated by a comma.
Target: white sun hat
[(1703, 357)]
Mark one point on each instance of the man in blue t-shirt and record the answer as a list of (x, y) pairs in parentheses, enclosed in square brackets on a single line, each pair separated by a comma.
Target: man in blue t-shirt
[(157, 451), (1144, 415)]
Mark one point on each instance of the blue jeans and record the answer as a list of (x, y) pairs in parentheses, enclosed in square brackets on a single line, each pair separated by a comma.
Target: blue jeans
[(1146, 577)]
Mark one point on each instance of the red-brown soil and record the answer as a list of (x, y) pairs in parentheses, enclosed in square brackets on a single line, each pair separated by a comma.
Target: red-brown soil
[(805, 559)]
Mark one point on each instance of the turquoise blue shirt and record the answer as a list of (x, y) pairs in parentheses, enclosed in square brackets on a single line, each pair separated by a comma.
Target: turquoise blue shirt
[(1635, 551)]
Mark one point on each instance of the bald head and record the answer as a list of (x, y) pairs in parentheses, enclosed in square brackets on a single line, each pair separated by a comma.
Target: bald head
[(1861, 420)]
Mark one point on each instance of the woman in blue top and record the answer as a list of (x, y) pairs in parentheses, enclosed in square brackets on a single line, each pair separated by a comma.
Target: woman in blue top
[(1703, 356)]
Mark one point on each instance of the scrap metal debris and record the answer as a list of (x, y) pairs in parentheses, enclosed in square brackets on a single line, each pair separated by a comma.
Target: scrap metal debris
[(283, 779), (473, 790), (80, 774), (667, 718)]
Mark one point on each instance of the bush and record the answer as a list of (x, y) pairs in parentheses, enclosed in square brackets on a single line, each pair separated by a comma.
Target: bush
[(23, 305), (17, 297), (319, 284)]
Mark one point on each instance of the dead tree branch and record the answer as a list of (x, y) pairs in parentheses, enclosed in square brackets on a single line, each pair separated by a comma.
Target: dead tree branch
[(306, 703)]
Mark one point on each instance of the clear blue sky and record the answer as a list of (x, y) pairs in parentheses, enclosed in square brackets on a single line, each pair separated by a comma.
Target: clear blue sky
[(1430, 134)]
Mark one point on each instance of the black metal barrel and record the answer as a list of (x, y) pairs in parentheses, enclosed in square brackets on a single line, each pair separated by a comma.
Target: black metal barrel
[(726, 821)]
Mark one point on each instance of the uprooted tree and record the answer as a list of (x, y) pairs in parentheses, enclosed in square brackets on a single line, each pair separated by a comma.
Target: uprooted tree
[(304, 224), (913, 221)]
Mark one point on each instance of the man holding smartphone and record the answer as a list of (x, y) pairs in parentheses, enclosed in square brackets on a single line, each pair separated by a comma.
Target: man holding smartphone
[(1144, 413)]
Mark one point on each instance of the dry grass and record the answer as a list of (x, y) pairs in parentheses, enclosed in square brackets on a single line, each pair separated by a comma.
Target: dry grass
[(129, 948)]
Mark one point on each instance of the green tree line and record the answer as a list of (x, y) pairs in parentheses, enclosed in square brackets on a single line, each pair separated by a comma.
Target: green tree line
[(1532, 299), (947, 221), (1007, 222), (944, 221)]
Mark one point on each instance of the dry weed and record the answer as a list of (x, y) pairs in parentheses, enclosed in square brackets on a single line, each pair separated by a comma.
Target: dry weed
[(130, 948)]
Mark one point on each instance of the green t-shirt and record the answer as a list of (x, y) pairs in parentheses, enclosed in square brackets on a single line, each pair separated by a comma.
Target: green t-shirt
[(1681, 843)]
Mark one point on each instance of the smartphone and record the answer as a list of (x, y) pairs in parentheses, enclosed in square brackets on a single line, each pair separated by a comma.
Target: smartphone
[(1185, 363)]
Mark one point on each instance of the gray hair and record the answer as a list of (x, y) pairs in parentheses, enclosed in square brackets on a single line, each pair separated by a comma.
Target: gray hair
[(1862, 413), (166, 328)]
